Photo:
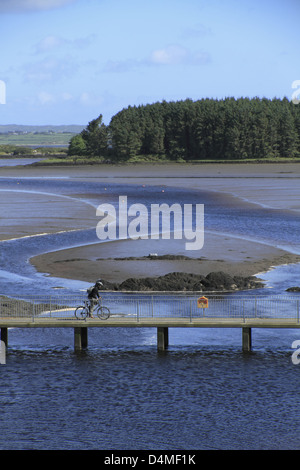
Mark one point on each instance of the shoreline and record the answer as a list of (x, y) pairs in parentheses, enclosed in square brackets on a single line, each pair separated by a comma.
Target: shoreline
[(246, 185)]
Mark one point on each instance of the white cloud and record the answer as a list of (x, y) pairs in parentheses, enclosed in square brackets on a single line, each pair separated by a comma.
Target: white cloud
[(20, 6), (169, 55), (178, 55), (49, 43)]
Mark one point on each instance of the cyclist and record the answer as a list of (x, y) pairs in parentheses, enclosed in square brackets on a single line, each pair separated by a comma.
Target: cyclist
[(94, 296)]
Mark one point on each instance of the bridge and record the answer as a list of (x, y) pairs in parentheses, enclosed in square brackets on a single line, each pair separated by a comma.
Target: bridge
[(154, 310)]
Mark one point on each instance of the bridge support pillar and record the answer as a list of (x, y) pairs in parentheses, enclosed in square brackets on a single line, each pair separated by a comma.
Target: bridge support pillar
[(3, 345), (80, 338), (4, 336), (246, 339), (162, 338)]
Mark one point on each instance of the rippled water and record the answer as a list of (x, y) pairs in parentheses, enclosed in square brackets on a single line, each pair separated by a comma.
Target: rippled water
[(120, 393), (128, 397)]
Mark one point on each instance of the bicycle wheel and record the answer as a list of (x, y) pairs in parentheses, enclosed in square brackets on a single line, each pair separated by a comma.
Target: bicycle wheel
[(103, 313), (81, 313)]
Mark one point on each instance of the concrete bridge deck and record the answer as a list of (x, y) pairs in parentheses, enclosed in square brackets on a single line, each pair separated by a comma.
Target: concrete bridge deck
[(150, 311), (167, 322)]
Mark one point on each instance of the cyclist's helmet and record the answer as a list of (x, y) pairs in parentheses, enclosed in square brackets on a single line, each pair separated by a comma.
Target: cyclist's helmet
[(99, 282)]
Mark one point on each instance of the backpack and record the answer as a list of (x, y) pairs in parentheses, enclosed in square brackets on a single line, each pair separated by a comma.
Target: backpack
[(89, 290)]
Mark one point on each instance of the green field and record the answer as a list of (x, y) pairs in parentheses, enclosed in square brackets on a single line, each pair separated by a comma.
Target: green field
[(33, 139)]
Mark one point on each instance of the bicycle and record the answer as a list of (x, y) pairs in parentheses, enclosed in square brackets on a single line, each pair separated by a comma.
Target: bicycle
[(83, 311)]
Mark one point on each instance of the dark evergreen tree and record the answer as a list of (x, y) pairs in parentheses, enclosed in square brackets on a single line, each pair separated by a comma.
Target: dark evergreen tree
[(77, 145), (197, 130), (95, 137)]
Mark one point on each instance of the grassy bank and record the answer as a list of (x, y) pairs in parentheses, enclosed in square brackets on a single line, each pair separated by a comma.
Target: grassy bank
[(36, 139), (58, 156), (81, 160)]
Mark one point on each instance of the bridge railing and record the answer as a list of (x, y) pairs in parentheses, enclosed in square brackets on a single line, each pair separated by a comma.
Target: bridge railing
[(157, 305)]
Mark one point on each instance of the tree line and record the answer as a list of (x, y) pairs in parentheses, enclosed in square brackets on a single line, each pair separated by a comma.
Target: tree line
[(206, 129)]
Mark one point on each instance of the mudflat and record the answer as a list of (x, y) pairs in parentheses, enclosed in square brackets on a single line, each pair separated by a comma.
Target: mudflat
[(269, 185)]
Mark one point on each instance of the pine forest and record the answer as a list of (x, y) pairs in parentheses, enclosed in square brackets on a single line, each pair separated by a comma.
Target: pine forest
[(207, 129)]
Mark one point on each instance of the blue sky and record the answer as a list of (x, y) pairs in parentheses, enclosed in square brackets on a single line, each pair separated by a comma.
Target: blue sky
[(67, 61)]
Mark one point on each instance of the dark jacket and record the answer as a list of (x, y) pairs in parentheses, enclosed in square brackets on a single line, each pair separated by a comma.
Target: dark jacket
[(94, 294)]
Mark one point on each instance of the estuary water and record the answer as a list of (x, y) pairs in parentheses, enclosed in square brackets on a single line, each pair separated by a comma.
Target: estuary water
[(18, 161), (120, 393)]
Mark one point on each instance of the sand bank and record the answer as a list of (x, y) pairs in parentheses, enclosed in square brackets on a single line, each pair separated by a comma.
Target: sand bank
[(220, 253), (24, 214)]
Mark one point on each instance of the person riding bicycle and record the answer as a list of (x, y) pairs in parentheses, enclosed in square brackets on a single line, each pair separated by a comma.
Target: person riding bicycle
[(94, 296)]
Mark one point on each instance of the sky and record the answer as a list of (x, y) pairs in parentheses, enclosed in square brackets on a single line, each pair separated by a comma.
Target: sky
[(67, 61)]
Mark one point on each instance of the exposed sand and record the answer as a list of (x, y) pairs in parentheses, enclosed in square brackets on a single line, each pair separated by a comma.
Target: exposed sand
[(23, 214), (273, 185), (235, 257)]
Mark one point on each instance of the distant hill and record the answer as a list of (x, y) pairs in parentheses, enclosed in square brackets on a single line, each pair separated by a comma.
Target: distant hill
[(72, 128)]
